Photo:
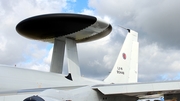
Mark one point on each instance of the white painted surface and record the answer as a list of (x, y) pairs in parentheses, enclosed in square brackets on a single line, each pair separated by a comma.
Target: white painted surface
[(57, 56), (125, 68), (138, 89), (72, 58)]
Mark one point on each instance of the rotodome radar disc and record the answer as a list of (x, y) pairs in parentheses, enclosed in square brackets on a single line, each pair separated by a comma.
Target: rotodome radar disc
[(80, 27)]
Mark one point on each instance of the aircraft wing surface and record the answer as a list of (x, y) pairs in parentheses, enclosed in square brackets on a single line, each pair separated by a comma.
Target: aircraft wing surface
[(33, 90), (140, 89)]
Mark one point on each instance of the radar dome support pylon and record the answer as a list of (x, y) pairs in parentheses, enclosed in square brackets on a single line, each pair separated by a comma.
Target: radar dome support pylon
[(57, 56), (64, 29)]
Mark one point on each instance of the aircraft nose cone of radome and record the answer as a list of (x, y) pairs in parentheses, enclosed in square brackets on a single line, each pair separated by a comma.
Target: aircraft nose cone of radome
[(61, 25), (34, 98)]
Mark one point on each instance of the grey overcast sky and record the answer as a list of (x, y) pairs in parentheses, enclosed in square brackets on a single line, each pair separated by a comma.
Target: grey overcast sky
[(157, 23)]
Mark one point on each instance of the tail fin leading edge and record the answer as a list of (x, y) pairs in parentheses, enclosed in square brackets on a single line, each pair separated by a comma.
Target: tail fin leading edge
[(125, 69)]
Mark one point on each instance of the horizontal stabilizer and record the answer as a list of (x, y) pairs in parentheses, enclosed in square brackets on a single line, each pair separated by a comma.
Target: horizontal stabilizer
[(139, 89)]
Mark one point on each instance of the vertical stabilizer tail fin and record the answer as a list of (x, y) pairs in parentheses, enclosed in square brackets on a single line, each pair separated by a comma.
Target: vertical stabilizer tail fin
[(125, 69)]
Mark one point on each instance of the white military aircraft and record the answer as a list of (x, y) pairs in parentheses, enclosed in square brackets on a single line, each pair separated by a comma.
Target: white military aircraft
[(17, 84)]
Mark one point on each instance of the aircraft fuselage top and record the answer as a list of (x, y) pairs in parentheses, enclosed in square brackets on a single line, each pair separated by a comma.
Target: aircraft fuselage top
[(82, 28)]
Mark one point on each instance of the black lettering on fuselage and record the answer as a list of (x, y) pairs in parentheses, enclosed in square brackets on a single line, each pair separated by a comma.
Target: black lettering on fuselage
[(120, 70)]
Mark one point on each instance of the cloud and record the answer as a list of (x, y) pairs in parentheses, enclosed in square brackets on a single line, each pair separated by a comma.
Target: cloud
[(98, 57), (49, 57), (157, 63), (14, 48), (157, 24), (156, 21)]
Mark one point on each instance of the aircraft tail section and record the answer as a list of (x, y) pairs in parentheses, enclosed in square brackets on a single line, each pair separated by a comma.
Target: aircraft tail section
[(125, 69)]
